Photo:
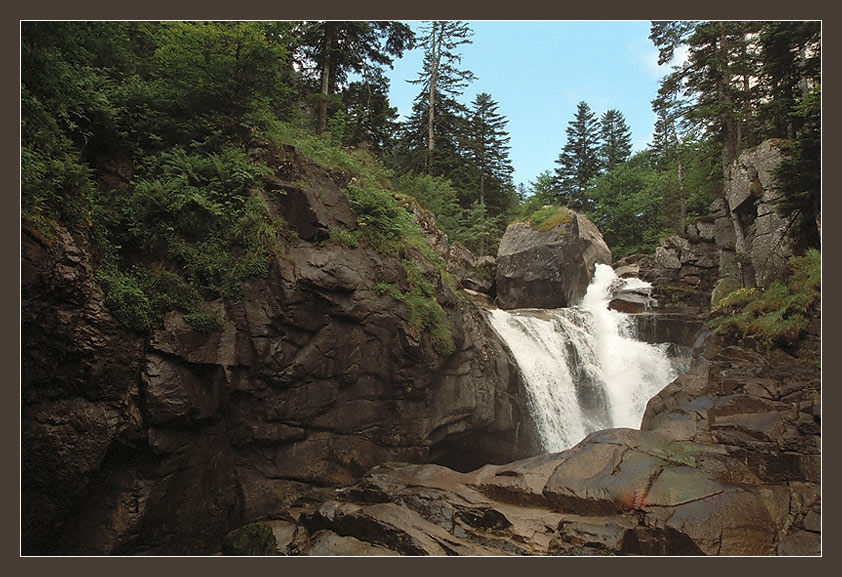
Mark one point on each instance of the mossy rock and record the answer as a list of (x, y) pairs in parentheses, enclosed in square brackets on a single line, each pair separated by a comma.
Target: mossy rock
[(723, 288), (255, 539)]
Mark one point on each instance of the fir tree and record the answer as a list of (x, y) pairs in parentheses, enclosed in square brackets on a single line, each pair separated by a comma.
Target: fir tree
[(616, 139), (579, 159), (337, 48), (487, 148), (441, 78), (791, 67)]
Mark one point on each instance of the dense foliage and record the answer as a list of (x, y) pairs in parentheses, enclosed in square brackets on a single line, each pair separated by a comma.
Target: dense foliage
[(154, 137)]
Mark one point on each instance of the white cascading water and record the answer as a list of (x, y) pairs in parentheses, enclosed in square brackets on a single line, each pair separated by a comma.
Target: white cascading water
[(582, 366)]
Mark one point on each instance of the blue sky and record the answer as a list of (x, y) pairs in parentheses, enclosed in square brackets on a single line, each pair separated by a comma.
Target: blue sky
[(538, 71)]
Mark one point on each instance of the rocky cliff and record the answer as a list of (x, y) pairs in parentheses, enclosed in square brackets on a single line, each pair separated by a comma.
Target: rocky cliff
[(321, 419), (163, 443), (753, 239)]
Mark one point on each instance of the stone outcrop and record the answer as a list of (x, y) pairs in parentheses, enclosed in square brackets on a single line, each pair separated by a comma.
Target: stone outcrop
[(727, 462), (473, 273), (752, 236), (551, 268), (683, 271), (163, 443)]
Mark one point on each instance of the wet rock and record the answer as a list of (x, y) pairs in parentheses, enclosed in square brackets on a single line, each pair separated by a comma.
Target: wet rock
[(703, 476)]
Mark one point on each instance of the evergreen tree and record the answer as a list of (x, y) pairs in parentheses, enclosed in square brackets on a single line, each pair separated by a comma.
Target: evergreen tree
[(667, 147), (799, 174), (579, 159), (451, 129), (719, 77), (616, 139), (337, 48), (371, 120), (661, 146), (480, 230), (791, 66), (744, 82), (543, 188), (628, 206), (442, 80), (487, 151)]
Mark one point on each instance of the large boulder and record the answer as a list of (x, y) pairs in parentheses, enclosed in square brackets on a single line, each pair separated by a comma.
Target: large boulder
[(548, 268)]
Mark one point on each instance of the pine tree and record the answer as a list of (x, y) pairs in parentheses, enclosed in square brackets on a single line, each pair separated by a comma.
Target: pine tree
[(743, 82), (579, 159), (719, 77), (791, 66), (799, 175), (441, 78), (667, 144), (616, 139), (371, 120)]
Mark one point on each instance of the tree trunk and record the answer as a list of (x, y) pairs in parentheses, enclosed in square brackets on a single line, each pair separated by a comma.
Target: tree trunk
[(327, 62), (436, 57), (682, 196), (729, 147)]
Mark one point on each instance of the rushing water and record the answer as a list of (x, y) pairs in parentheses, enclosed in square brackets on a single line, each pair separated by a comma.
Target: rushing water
[(583, 368)]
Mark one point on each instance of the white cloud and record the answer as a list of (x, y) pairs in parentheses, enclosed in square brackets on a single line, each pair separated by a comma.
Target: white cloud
[(650, 63), (649, 58)]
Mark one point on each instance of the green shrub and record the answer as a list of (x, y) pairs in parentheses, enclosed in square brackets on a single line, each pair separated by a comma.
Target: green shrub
[(343, 237), (126, 300), (425, 313), (383, 222), (780, 314), (170, 291), (203, 320)]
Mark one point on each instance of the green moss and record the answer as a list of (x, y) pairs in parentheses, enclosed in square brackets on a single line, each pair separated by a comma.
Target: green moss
[(256, 539), (724, 287), (549, 217)]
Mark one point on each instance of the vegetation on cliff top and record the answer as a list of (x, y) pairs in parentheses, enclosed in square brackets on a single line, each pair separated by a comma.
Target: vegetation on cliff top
[(154, 137)]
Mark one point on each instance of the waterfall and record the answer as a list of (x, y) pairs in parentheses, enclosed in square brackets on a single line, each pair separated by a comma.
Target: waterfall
[(582, 366)]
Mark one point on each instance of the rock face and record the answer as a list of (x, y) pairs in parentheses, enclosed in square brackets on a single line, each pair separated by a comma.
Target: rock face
[(163, 443), (726, 463), (548, 269), (757, 241)]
